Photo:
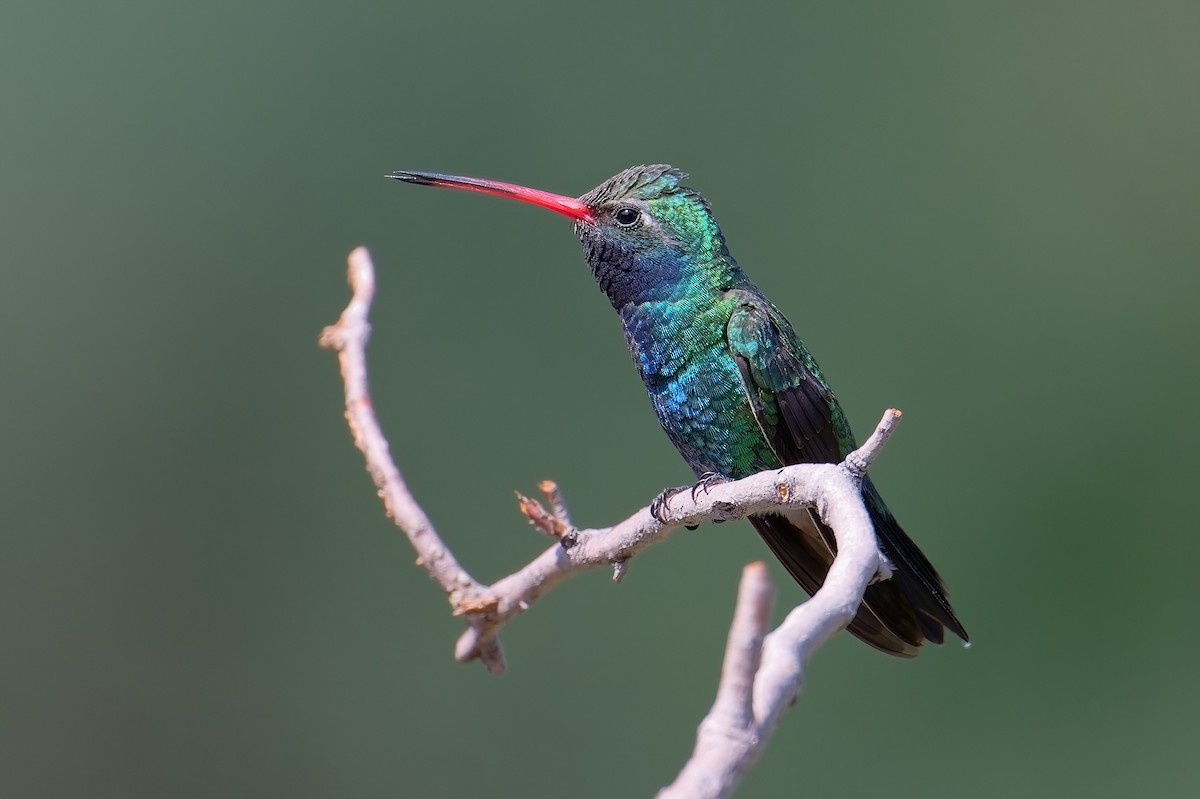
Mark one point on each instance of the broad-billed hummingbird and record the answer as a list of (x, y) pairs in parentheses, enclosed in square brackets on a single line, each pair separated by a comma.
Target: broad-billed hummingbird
[(734, 388)]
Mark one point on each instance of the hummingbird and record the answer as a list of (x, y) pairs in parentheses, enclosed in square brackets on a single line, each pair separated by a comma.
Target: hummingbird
[(734, 388)]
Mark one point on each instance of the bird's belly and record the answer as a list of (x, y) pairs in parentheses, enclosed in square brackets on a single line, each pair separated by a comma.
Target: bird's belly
[(703, 408)]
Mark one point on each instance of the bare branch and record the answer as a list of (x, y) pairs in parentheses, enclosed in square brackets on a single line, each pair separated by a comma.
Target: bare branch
[(762, 674), (762, 678), (734, 706), (858, 461), (349, 339), (558, 505)]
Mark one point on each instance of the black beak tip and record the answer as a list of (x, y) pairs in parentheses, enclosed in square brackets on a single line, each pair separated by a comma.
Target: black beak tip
[(410, 177)]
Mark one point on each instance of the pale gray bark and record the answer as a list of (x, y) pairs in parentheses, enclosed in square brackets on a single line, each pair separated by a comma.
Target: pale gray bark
[(762, 673)]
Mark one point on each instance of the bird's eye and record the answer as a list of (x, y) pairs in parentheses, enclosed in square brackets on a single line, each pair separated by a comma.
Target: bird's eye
[(627, 217)]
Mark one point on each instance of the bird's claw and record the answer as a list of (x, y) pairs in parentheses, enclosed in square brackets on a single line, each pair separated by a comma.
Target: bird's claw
[(659, 508), (707, 481)]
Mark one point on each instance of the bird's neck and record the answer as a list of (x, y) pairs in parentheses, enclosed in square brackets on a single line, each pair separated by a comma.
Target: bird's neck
[(662, 276), (674, 321)]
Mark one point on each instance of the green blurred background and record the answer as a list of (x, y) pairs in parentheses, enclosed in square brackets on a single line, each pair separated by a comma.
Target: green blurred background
[(983, 214)]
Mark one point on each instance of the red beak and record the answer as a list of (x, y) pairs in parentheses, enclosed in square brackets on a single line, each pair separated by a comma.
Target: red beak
[(567, 206)]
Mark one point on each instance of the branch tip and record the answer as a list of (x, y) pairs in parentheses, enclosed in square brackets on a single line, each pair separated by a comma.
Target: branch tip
[(620, 567), (858, 461)]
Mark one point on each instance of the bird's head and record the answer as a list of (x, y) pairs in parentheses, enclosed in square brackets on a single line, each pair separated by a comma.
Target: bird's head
[(645, 236)]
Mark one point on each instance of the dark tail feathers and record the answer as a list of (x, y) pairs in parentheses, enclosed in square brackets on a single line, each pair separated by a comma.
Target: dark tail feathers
[(896, 615)]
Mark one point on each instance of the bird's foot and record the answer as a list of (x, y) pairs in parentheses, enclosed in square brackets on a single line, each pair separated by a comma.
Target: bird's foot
[(707, 481), (659, 508)]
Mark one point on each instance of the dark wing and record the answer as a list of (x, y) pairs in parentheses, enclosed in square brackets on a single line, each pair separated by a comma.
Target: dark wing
[(793, 405), (801, 419)]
